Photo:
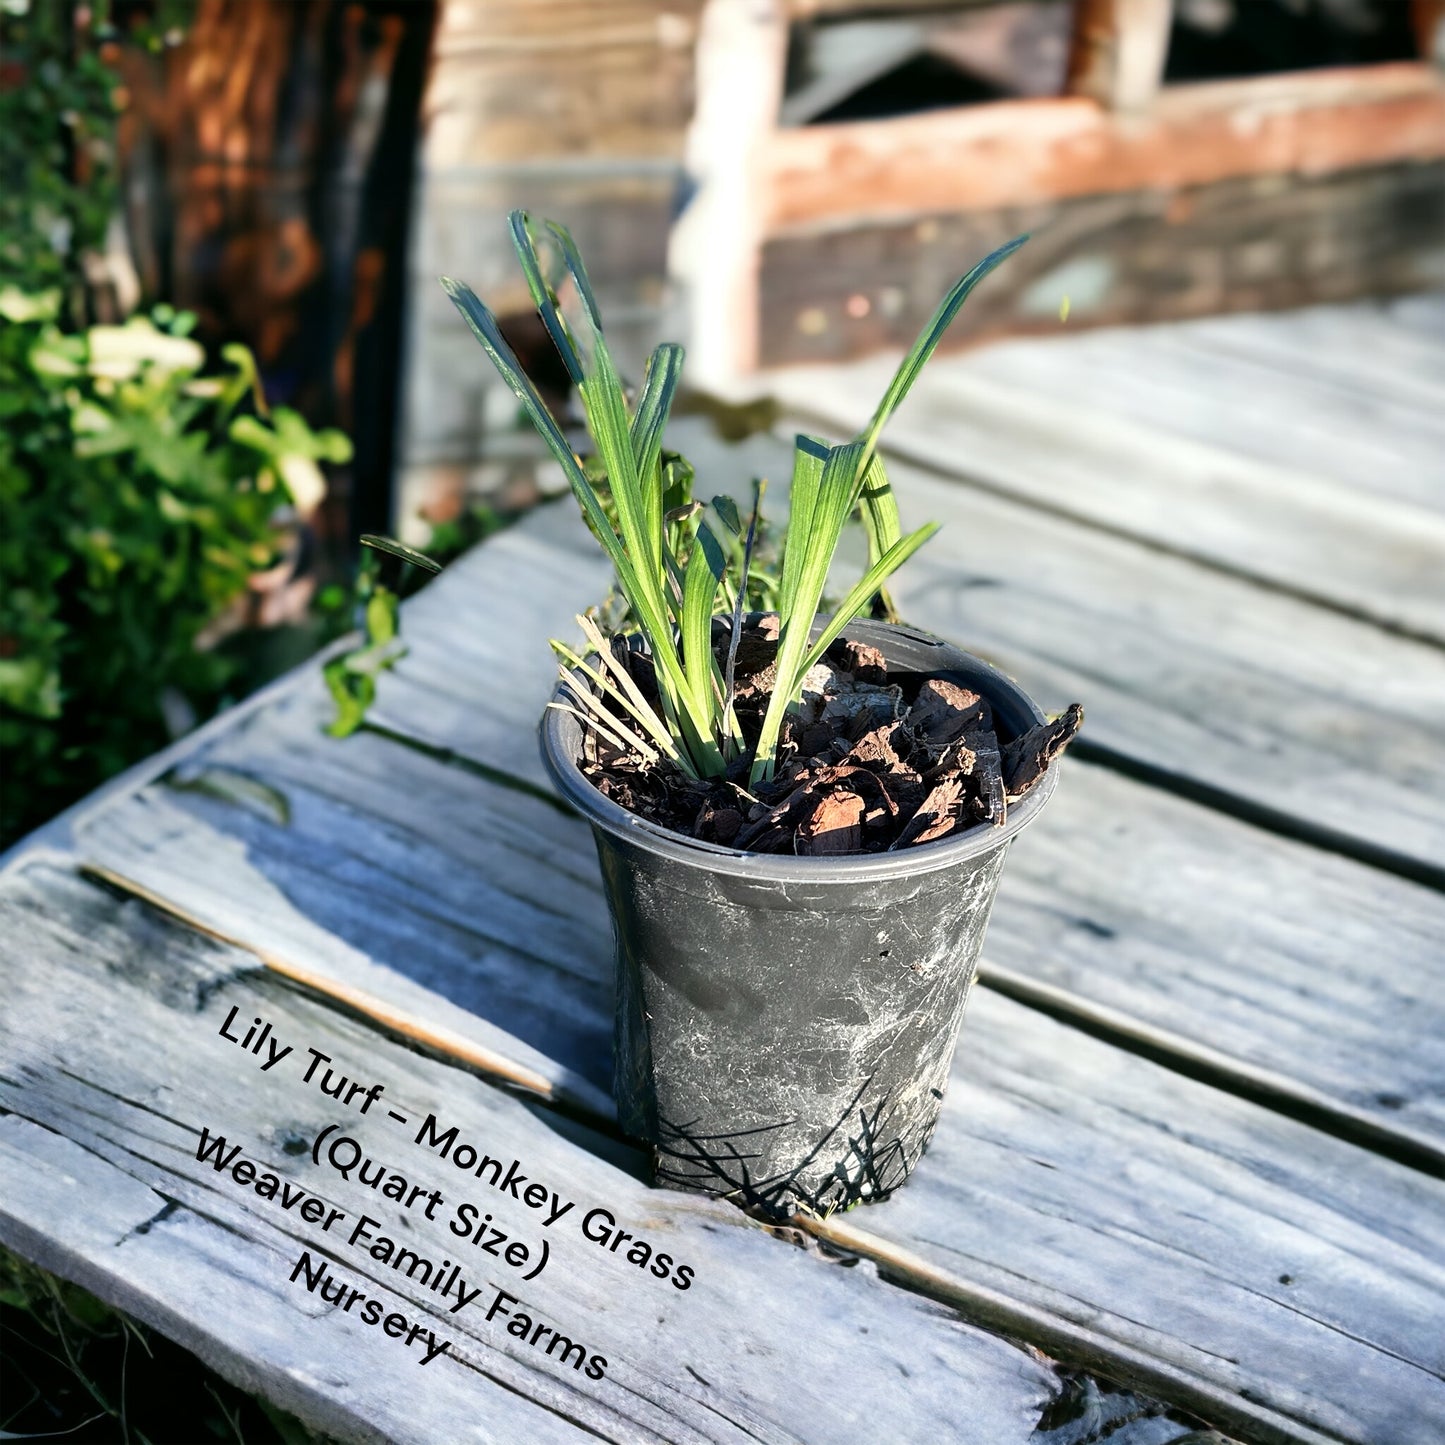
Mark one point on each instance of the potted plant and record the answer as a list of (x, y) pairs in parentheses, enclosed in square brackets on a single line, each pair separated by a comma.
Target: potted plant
[(801, 820)]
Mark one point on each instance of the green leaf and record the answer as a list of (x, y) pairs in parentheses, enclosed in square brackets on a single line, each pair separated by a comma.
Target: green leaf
[(705, 569), (381, 616), (810, 455), (659, 386), (670, 565), (352, 693), (879, 508), (544, 297), (394, 548), (862, 591), (484, 327), (727, 510), (803, 586), (929, 338), (881, 522)]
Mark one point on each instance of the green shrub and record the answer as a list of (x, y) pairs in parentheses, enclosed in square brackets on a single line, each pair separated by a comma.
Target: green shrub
[(138, 496)]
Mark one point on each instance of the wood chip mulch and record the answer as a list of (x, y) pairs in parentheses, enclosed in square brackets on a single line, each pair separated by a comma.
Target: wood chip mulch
[(868, 763)]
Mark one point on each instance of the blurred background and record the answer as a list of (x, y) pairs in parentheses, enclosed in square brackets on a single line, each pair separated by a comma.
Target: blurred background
[(226, 354)]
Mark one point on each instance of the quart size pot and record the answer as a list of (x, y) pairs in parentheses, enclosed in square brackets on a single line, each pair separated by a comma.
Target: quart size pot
[(785, 1026)]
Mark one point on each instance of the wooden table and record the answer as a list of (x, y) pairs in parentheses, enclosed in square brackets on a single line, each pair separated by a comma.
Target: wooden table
[(1189, 1168)]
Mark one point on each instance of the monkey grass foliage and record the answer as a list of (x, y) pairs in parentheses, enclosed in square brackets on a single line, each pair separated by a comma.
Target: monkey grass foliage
[(673, 564)]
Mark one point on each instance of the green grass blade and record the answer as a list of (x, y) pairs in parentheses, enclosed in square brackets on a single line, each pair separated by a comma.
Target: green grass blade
[(572, 259), (736, 632), (810, 456), (605, 403), (705, 568), (880, 509), (862, 592), (654, 404), (646, 600), (928, 340), (544, 297), (399, 549), (484, 327), (659, 386), (881, 522), (831, 508)]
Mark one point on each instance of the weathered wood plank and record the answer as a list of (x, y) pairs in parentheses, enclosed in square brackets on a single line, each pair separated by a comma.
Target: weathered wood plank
[(1085, 428), (1118, 53), (1172, 1219), (1341, 417), (1295, 710), (1319, 718), (1367, 348), (133, 1006), (1018, 153), (1159, 1326), (1422, 314), (73, 1211), (478, 670), (1346, 1284), (1216, 940), (460, 886), (1305, 971), (1253, 243), (242, 902)]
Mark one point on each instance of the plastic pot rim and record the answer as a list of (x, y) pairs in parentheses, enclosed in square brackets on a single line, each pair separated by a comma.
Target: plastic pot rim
[(561, 734)]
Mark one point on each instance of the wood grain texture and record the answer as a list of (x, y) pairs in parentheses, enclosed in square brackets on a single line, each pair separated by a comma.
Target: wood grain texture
[(1145, 912), (1159, 1326), (1305, 971), (1250, 243), (1319, 718), (492, 619), (235, 887), (1023, 152), (113, 1063), (1197, 1228), (187, 1273), (1203, 677), (528, 81), (450, 882), (1046, 421), (1200, 1245), (1335, 396)]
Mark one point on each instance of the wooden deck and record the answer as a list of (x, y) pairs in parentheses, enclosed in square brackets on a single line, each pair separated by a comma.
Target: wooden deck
[(1188, 1177)]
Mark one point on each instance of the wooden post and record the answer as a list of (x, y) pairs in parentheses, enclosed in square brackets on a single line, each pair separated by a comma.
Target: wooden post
[(1427, 18), (716, 244), (1118, 52)]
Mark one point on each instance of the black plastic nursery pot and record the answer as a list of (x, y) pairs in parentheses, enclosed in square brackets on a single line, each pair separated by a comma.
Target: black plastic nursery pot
[(785, 1026)]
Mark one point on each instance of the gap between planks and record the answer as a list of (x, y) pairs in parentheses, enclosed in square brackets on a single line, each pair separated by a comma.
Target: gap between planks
[(1261, 815), (1064, 1340), (1180, 1054), (918, 458), (388, 1016)]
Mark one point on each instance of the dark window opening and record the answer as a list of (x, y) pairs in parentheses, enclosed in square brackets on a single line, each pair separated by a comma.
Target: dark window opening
[(1230, 39), (851, 67)]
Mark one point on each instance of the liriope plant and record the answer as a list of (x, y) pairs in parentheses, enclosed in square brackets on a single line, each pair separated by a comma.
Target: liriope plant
[(674, 569)]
